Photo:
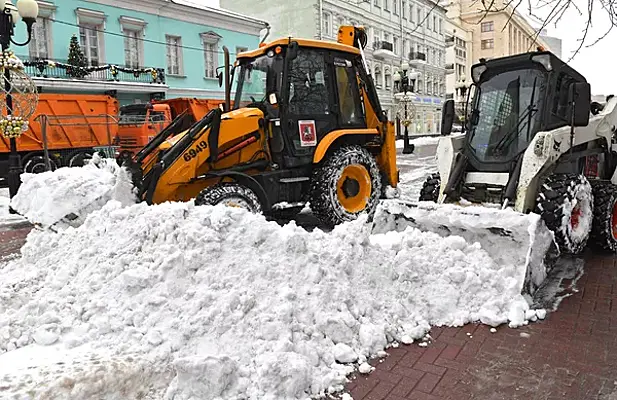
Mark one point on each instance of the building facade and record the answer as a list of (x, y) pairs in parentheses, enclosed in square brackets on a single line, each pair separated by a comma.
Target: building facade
[(459, 59), (554, 43), (411, 31), (158, 48)]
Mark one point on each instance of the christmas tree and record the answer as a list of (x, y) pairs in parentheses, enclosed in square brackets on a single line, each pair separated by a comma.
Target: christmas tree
[(77, 60)]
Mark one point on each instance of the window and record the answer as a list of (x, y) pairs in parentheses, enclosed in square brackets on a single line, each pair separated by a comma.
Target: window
[(375, 36), (428, 22), (174, 54), (308, 92), (326, 24), (386, 37), (133, 31), (404, 9), (419, 16), (386, 5), (210, 42), (395, 6), (487, 26), (435, 23), (89, 41), (440, 26), (395, 45), (410, 12), (405, 47), (378, 81), (41, 34), (349, 101), (487, 44), (376, 3), (132, 58)]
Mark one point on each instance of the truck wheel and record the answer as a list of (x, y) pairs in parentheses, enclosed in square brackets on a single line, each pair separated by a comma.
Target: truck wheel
[(36, 165), (565, 203), (231, 194), (604, 227), (347, 184), (79, 158), (430, 189)]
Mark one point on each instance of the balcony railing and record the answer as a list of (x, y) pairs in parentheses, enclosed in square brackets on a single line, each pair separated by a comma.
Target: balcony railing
[(449, 41), (450, 66), (416, 55), (383, 45), (104, 73)]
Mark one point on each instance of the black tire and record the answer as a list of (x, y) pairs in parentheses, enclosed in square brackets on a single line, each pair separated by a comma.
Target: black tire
[(324, 200), (229, 193), (604, 228), (78, 159), (36, 165), (555, 205), (430, 189)]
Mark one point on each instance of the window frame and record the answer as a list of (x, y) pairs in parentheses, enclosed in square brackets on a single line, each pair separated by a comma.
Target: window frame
[(487, 26), (210, 44), (484, 44), (178, 46)]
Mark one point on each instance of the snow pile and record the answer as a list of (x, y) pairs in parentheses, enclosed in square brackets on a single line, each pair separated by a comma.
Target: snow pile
[(184, 302), (46, 198)]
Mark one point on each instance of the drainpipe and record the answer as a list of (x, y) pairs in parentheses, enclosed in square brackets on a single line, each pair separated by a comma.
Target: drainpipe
[(320, 19)]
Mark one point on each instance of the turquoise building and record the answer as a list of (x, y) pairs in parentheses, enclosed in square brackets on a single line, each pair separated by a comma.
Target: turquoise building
[(136, 50)]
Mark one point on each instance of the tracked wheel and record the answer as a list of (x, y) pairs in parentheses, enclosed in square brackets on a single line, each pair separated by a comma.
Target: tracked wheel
[(565, 202), (231, 194), (430, 189), (604, 228), (346, 185)]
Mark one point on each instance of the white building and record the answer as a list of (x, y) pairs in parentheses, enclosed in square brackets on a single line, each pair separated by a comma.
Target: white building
[(459, 59), (398, 30)]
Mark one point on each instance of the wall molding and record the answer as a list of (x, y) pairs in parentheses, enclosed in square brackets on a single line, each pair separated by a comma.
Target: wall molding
[(201, 16)]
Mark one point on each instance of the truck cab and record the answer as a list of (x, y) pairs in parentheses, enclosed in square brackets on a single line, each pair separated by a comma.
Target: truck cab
[(139, 123)]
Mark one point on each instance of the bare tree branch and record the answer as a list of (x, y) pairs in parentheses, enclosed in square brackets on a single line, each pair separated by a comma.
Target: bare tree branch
[(552, 12)]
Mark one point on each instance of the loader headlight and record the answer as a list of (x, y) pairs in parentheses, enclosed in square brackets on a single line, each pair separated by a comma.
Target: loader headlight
[(543, 59), (539, 147)]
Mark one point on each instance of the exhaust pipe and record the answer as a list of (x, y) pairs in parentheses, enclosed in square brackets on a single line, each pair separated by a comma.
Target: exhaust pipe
[(227, 85)]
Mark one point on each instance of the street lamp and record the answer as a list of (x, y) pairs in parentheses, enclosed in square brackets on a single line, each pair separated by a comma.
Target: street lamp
[(28, 10), (404, 84)]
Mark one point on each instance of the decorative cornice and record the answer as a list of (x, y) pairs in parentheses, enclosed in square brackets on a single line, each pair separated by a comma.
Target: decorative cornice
[(204, 16)]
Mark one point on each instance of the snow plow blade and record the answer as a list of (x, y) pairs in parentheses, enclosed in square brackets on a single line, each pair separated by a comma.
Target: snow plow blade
[(520, 241)]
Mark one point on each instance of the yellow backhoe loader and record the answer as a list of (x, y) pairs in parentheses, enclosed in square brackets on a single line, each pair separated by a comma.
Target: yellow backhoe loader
[(306, 126)]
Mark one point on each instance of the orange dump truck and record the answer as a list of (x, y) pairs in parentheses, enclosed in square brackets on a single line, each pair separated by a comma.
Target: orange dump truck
[(139, 123), (76, 126)]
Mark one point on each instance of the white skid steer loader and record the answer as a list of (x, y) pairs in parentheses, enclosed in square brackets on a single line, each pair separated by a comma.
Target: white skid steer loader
[(531, 148)]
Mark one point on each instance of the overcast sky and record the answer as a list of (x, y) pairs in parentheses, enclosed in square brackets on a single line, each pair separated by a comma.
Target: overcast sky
[(595, 63)]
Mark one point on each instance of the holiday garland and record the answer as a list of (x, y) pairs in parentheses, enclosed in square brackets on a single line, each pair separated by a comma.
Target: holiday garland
[(11, 126), (157, 74)]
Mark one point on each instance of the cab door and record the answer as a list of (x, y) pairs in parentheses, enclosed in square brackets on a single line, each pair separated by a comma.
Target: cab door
[(311, 107)]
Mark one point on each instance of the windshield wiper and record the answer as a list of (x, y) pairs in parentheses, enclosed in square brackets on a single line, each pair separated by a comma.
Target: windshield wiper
[(527, 115)]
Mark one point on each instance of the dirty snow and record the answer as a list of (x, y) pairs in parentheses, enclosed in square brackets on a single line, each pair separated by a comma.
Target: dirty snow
[(214, 302)]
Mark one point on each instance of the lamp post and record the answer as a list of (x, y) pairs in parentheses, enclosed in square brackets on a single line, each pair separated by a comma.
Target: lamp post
[(404, 84), (28, 10)]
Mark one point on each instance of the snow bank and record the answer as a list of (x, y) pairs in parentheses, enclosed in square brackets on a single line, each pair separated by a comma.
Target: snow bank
[(46, 198), (184, 302)]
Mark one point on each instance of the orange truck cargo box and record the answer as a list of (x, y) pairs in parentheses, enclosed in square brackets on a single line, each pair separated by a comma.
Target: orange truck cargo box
[(74, 121)]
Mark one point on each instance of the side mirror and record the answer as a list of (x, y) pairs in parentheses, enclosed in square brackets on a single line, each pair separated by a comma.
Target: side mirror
[(272, 98), (580, 94), (447, 117), (220, 78)]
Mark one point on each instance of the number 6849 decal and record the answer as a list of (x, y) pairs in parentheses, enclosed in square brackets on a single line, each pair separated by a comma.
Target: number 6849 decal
[(192, 153)]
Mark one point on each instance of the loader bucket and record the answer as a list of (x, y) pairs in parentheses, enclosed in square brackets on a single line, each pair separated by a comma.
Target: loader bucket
[(520, 242)]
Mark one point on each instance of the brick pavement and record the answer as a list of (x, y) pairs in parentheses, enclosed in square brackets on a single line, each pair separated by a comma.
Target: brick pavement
[(572, 354)]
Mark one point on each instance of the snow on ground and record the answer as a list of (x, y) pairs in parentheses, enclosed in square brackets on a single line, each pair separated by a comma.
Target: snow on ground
[(214, 302), (46, 198), (5, 216)]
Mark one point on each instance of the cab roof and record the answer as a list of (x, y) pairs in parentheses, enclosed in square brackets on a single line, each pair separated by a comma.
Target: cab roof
[(322, 44)]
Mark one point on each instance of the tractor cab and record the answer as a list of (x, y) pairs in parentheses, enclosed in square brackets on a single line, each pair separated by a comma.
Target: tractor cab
[(515, 98), (306, 90)]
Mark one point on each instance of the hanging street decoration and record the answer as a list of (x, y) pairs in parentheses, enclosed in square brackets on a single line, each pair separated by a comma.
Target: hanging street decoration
[(20, 87)]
